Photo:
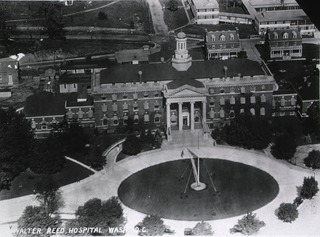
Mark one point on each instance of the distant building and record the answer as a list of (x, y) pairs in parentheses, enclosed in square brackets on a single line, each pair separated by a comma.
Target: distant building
[(9, 72), (278, 14), (205, 11), (284, 43), (69, 83), (133, 56), (284, 103), (222, 44)]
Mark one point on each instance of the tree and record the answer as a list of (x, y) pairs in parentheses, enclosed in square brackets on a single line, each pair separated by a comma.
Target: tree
[(284, 147), (287, 212), (102, 16), (98, 213), (173, 5), (249, 132), (36, 217), (48, 195), (202, 228), (309, 188), (312, 122), (153, 225), (313, 159), (54, 21), (248, 225), (16, 139), (47, 156), (131, 146)]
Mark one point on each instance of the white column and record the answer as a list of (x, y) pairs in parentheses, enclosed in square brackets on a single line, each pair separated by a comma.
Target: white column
[(180, 116), (192, 115), (204, 111), (168, 116)]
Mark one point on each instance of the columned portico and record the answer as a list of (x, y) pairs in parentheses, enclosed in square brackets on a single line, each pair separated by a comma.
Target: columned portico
[(192, 115), (180, 116)]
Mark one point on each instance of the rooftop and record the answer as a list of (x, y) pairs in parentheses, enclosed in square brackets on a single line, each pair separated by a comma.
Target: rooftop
[(274, 35), (165, 72), (287, 15), (75, 78), (130, 55), (204, 4), (272, 3), (45, 104), (215, 36)]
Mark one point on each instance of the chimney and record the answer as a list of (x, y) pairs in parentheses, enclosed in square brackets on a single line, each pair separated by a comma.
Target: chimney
[(140, 76), (225, 69)]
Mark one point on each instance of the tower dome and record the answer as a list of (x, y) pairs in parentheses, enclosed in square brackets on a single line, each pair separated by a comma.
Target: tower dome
[(181, 60), (181, 35)]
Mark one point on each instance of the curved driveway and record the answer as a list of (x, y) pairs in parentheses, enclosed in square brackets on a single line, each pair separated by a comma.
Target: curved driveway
[(105, 184)]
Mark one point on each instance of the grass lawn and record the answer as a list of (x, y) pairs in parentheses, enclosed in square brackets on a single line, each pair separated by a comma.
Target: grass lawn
[(158, 189), (310, 51), (174, 19), (24, 184)]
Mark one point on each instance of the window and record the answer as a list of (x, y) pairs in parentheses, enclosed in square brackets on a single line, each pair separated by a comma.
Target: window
[(232, 100), (125, 96), (173, 118), (156, 105), (211, 91), (231, 36), (222, 101), (222, 37), (221, 90), (252, 111), (253, 99), (242, 100), (282, 101), (222, 113), (44, 125), (146, 95), (231, 114), (263, 98), (211, 102), (231, 90), (105, 121), (146, 118), (114, 107), (157, 118), (263, 87), (125, 106), (135, 106), (125, 119), (293, 101), (253, 89), (156, 94), (10, 82), (243, 90), (262, 111), (211, 114), (103, 97), (241, 111), (80, 114), (33, 124), (275, 35), (213, 38), (146, 105), (135, 96), (136, 119), (90, 113), (114, 97), (104, 108), (69, 114), (115, 120), (273, 103), (285, 35)]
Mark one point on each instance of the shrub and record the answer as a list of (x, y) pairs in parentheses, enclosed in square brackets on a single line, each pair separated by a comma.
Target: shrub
[(298, 201), (313, 159), (309, 188), (284, 147), (248, 225), (202, 228), (287, 212), (131, 146), (152, 226), (173, 5)]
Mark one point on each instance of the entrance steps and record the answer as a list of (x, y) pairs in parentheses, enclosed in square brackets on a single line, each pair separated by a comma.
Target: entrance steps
[(190, 138)]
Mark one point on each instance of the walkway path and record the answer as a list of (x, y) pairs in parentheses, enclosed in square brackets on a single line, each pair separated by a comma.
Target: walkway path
[(105, 184), (156, 12), (79, 163)]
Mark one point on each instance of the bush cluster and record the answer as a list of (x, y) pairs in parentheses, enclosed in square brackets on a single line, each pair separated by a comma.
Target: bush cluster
[(248, 225)]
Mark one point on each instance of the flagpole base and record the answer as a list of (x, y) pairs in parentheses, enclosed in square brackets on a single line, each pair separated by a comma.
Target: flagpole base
[(198, 186)]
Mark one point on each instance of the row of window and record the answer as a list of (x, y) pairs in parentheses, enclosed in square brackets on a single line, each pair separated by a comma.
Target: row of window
[(285, 35), (223, 114), (125, 96), (80, 114), (222, 37), (135, 105), (115, 120), (243, 90), (283, 101), (232, 100)]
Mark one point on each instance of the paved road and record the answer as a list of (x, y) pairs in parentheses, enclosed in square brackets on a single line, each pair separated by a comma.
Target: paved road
[(157, 16), (249, 46)]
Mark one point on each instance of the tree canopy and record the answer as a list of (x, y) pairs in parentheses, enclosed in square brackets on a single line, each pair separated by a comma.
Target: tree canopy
[(131, 146), (153, 226), (98, 213), (313, 159), (284, 147), (202, 228), (249, 132), (16, 141)]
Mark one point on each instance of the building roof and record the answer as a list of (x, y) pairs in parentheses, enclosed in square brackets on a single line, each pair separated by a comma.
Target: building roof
[(204, 4), (72, 101), (178, 83), (272, 3), (165, 72), (130, 55), (275, 35), (309, 90), (75, 78), (215, 36), (8, 64), (286, 15), (45, 104)]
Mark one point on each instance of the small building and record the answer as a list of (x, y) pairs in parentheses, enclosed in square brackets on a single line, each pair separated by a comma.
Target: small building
[(205, 11), (9, 72), (44, 110), (5, 93), (284, 43), (284, 103), (222, 44), (69, 83)]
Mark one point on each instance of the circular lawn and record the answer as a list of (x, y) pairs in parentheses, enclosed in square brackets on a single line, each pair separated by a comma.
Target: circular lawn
[(232, 189)]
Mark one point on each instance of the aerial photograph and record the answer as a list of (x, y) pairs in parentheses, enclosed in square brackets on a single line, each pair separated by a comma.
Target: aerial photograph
[(159, 118)]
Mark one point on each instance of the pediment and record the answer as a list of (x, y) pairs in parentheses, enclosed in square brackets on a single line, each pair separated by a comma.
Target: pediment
[(187, 92)]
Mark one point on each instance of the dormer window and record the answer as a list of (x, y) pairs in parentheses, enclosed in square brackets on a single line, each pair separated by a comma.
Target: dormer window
[(222, 38), (231, 36), (275, 35), (213, 38), (294, 34), (285, 35)]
